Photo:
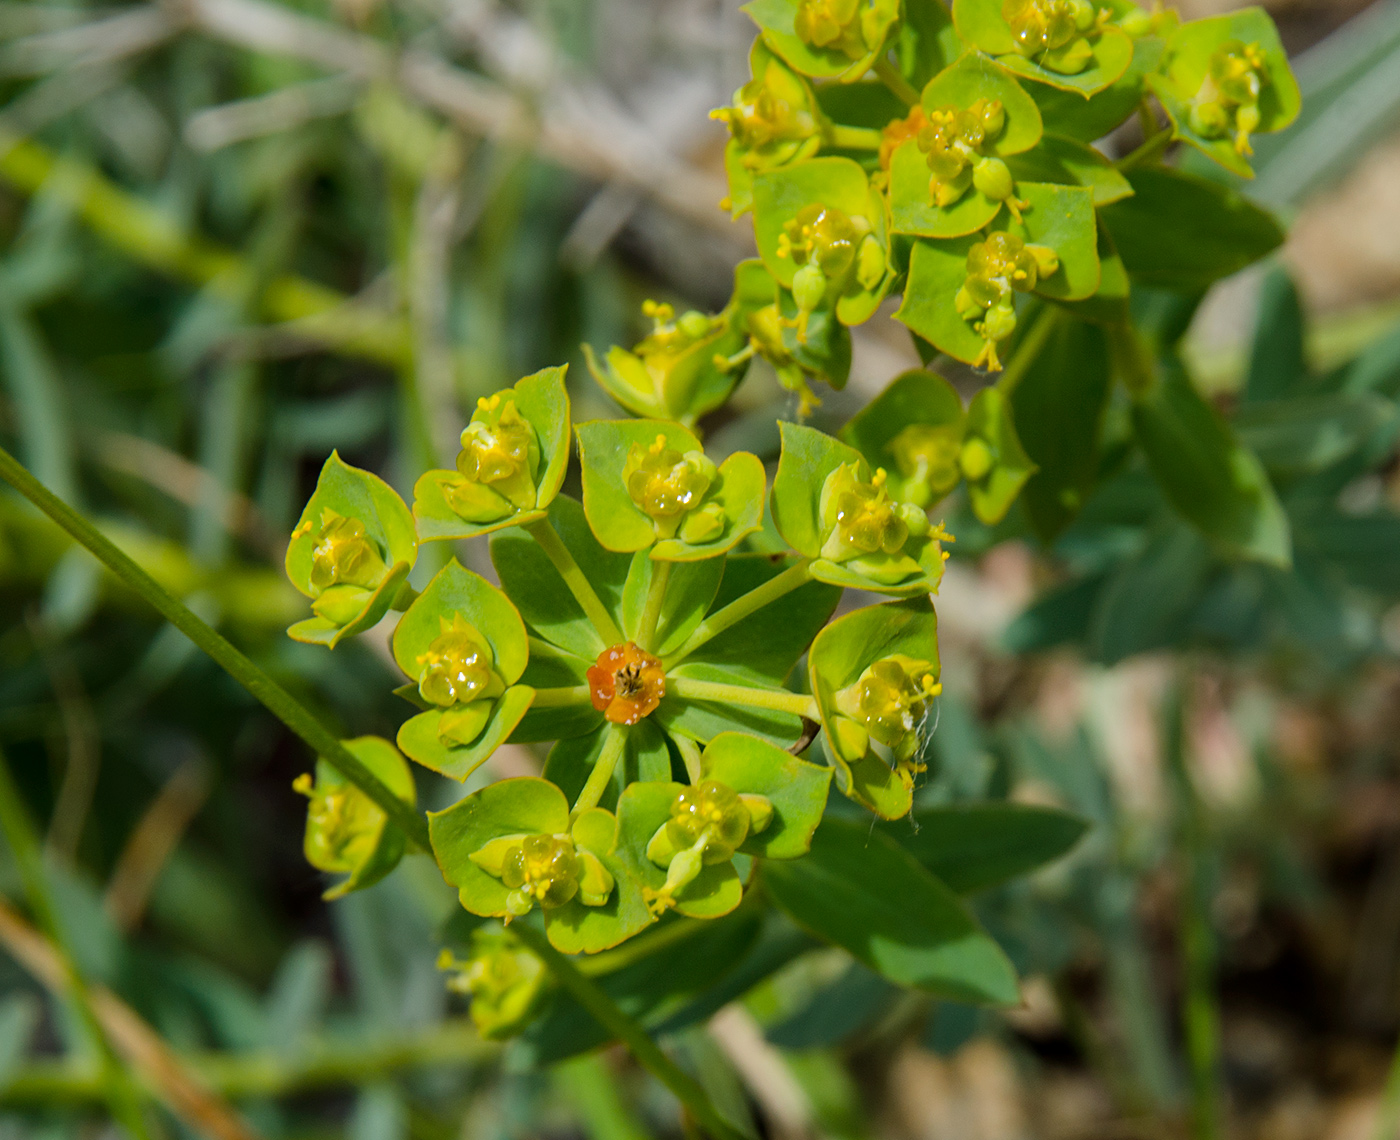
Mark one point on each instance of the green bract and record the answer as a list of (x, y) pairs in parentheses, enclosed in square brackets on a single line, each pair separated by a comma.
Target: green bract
[(821, 233), (464, 646), (648, 485), (1069, 44), (514, 454), (513, 846), (875, 673), (826, 38), (347, 832), (350, 552), (774, 120), (1223, 79), (832, 508)]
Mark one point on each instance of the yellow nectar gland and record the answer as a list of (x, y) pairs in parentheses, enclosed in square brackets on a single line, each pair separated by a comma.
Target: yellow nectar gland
[(890, 702), (542, 869), (997, 268), (952, 139), (457, 666), (500, 452), (342, 825), (343, 555), (707, 825), (670, 487)]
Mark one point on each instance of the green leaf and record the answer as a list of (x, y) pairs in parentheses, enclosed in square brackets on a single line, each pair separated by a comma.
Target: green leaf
[(989, 419), (641, 811), (779, 195), (621, 525), (973, 847), (1061, 217), (1185, 232), (420, 740), (537, 589), (1071, 163), (1277, 366), (1185, 67), (455, 590), (839, 655), (543, 401), (775, 19), (323, 631), (1109, 304), (936, 273), (975, 77), (1207, 475), (861, 891), (796, 789), (20, 1014), (1302, 435), (1059, 408), (914, 398), (926, 44), (1147, 603), (690, 588)]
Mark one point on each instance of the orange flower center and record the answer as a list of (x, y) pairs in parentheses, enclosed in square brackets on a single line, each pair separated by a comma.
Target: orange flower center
[(626, 683)]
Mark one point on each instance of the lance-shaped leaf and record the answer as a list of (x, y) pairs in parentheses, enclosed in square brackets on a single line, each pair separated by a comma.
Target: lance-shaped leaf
[(830, 507), (472, 839), (511, 465), (859, 890), (1208, 61), (846, 56), (1109, 50), (350, 553), (840, 657), (648, 486), (914, 430), (346, 831), (465, 644)]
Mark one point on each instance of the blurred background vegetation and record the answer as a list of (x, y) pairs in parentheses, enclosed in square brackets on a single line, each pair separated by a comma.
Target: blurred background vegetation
[(235, 234)]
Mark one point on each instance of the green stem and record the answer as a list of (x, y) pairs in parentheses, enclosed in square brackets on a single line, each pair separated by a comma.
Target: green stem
[(1030, 346), (565, 697), (275, 698), (543, 532), (118, 1087), (852, 138), (889, 75), (589, 1083), (740, 608), (651, 613), (316, 1064), (1200, 1012), (716, 692), (592, 997), (614, 742)]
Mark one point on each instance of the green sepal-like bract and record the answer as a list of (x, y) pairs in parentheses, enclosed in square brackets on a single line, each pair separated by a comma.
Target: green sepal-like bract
[(648, 486), (840, 655), (914, 430), (474, 838), (827, 39), (1100, 53), (993, 461), (350, 552), (347, 832), (514, 455), (818, 479), (1224, 78), (465, 644)]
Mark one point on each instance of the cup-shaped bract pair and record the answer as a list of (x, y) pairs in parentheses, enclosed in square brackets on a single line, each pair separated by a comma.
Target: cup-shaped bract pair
[(688, 364), (875, 673), (917, 430), (961, 294), (774, 120), (505, 980), (832, 507), (514, 454), (1074, 45), (648, 485), (350, 553), (347, 833), (464, 645), (827, 39), (821, 232), (513, 846), (752, 799), (950, 178), (1223, 79)]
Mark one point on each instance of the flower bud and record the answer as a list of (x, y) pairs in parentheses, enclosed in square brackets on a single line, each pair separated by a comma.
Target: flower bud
[(864, 527), (975, 459), (993, 178)]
